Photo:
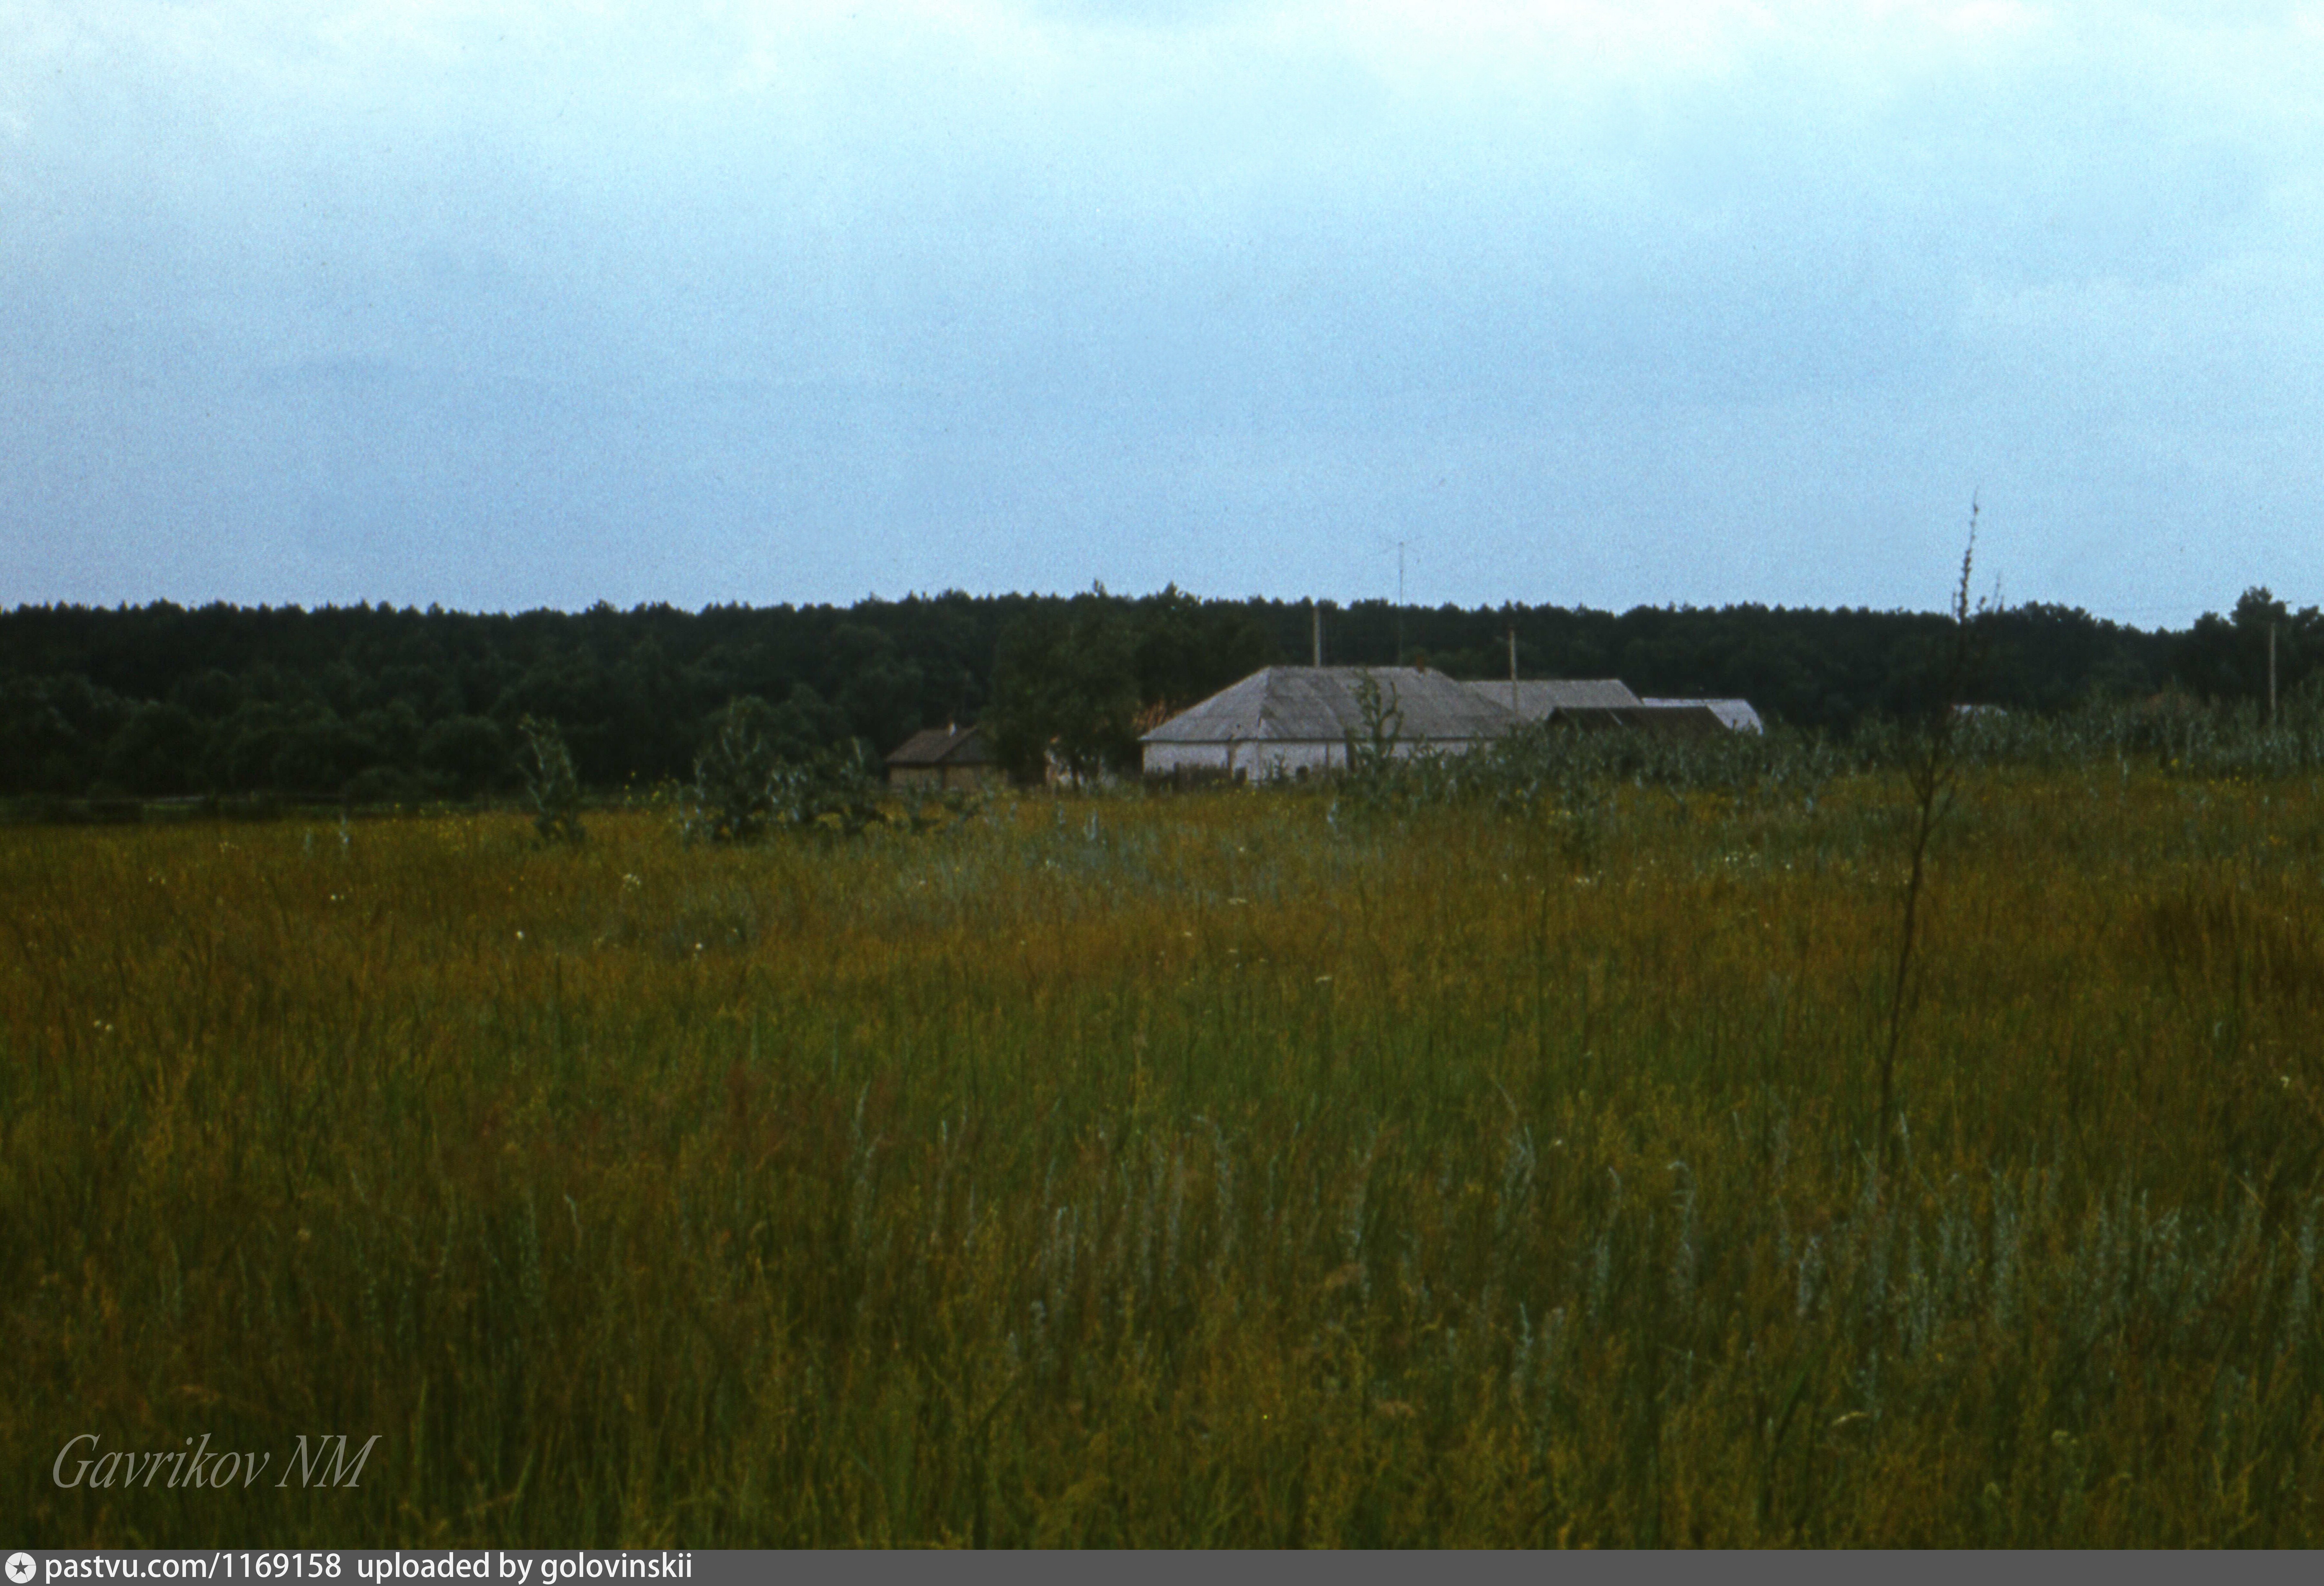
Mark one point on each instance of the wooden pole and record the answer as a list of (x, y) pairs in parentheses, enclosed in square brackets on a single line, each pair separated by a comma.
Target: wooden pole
[(2270, 676)]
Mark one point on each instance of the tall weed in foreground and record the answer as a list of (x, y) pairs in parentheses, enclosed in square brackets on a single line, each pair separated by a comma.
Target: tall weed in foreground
[(1929, 768), (552, 788), (1178, 1172)]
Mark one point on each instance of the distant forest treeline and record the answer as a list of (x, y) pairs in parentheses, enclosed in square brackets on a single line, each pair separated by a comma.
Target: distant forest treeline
[(375, 703)]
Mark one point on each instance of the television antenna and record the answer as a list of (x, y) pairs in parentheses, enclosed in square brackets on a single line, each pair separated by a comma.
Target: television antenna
[(1399, 545)]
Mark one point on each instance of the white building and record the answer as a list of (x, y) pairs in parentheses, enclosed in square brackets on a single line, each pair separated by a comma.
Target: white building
[(1289, 721)]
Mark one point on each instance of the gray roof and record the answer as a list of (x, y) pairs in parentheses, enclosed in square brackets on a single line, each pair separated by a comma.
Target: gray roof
[(1539, 697), (1737, 714), (1318, 704), (942, 746)]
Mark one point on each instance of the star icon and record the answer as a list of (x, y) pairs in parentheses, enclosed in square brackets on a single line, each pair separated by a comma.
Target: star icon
[(21, 1568)]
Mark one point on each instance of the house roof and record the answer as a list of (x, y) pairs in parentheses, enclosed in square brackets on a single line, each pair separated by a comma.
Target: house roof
[(1312, 704), (1685, 718), (1737, 714), (942, 746), (1539, 697)]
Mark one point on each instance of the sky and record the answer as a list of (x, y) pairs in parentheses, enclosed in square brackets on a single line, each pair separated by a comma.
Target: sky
[(499, 305)]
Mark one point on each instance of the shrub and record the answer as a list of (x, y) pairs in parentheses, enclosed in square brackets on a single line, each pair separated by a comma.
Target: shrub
[(835, 790), (734, 777), (743, 786)]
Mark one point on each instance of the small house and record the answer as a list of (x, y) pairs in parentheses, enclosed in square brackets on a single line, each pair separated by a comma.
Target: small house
[(944, 757)]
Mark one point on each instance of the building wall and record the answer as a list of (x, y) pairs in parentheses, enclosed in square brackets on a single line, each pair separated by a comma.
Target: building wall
[(944, 776), (1261, 761), (1251, 760)]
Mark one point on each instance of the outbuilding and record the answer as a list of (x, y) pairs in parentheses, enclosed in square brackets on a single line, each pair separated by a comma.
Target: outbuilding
[(944, 757), (1576, 702), (1734, 714)]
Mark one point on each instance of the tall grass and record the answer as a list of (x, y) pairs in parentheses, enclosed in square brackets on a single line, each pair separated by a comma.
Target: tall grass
[(1217, 1169)]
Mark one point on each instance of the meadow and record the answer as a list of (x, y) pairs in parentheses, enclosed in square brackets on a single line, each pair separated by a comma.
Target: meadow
[(1235, 1167)]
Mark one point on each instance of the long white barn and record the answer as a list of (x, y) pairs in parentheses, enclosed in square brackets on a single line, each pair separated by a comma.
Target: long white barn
[(1289, 720)]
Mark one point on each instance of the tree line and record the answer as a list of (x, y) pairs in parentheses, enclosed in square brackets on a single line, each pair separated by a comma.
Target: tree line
[(377, 703)]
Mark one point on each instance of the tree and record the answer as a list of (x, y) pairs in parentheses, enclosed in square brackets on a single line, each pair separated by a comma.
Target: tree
[(469, 754), (1064, 682), (156, 751), (54, 729), (1188, 650)]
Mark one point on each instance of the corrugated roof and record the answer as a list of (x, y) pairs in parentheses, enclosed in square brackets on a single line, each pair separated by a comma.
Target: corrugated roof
[(1318, 704), (943, 746), (1737, 714), (1537, 698)]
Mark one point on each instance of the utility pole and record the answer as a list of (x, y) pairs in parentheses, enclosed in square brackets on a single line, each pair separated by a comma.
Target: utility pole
[(1513, 669), (1399, 603), (1317, 607), (2270, 676)]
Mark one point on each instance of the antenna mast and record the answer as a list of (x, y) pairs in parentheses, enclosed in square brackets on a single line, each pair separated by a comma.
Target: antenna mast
[(1399, 603)]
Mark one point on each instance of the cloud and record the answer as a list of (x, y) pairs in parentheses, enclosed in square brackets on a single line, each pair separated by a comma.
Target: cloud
[(1011, 284)]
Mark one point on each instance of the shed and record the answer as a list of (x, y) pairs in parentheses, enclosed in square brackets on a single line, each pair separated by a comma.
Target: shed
[(1734, 714), (944, 757), (1581, 702), (1678, 718)]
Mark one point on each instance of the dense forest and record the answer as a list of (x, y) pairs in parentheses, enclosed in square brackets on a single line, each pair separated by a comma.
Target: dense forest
[(376, 704)]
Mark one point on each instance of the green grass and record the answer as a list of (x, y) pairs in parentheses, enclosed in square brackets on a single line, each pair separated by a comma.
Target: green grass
[(1186, 1171)]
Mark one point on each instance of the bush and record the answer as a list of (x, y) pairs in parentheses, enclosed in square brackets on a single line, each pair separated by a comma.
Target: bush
[(743, 786), (837, 791), (734, 777)]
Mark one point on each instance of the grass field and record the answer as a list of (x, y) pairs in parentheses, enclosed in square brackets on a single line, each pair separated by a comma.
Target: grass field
[(1212, 1169)]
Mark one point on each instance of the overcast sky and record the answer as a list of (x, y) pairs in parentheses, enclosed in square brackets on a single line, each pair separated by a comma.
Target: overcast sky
[(502, 305)]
